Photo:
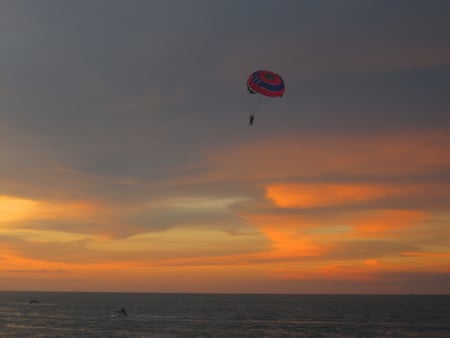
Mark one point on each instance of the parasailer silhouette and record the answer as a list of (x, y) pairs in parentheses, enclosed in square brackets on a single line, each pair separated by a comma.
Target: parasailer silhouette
[(122, 312)]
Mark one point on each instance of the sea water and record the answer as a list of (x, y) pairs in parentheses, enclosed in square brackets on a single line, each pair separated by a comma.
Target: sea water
[(31, 314)]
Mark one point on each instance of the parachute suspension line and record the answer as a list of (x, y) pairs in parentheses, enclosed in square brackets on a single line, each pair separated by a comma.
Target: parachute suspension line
[(256, 104)]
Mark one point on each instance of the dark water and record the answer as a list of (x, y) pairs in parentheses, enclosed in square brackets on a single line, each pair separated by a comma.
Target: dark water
[(197, 315)]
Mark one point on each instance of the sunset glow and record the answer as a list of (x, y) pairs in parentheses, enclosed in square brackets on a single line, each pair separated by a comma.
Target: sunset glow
[(127, 162)]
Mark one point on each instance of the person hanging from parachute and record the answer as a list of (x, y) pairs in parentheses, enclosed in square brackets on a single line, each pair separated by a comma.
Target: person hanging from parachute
[(266, 83)]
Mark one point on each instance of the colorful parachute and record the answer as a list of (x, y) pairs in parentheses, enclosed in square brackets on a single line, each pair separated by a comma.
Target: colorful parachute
[(266, 83)]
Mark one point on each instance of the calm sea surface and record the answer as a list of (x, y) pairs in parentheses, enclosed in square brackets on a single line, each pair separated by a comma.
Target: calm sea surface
[(198, 315)]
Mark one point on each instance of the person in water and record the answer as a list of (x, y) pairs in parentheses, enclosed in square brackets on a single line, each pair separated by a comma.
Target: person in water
[(122, 312), (251, 119)]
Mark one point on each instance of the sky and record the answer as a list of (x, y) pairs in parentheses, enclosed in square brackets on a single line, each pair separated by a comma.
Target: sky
[(127, 162)]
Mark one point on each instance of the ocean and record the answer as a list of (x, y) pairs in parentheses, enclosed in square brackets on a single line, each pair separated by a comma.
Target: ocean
[(53, 314)]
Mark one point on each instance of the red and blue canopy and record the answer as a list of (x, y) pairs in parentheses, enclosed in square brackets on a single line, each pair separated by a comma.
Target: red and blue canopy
[(266, 83)]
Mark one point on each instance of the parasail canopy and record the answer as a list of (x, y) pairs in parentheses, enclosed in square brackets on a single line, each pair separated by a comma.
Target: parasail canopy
[(266, 83)]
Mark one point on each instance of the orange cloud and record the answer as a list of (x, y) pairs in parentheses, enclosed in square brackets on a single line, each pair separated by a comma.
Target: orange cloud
[(427, 254), (14, 208), (377, 222), (309, 195), (351, 244), (289, 238), (349, 270)]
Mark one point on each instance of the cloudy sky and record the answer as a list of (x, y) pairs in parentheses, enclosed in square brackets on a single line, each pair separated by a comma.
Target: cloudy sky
[(127, 162)]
